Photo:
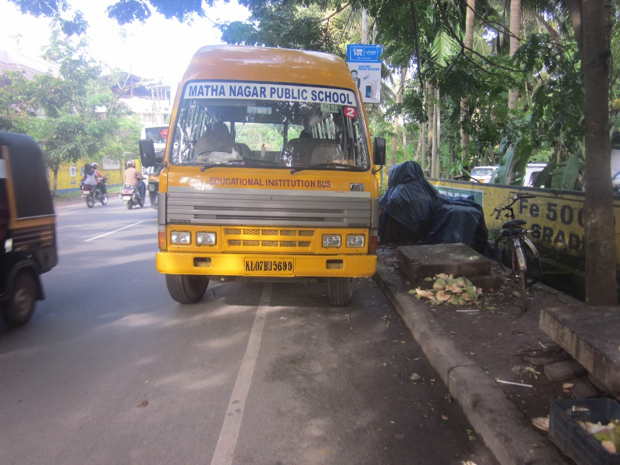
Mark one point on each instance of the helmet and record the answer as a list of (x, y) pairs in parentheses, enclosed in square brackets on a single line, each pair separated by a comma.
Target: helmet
[(131, 164), (95, 165)]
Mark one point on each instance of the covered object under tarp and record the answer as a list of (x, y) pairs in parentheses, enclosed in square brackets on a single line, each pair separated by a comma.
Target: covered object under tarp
[(413, 211)]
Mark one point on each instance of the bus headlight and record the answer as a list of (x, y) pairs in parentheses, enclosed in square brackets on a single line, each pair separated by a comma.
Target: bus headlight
[(355, 240), (206, 238), (332, 240), (180, 237)]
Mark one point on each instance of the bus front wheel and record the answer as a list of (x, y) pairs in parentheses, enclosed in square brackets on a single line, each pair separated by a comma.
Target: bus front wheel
[(340, 290), (186, 289)]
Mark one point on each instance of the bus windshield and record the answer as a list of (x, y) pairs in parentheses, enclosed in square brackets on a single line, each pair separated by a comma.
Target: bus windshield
[(269, 125)]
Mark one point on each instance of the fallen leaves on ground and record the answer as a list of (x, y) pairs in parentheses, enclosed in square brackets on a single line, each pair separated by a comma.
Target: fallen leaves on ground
[(448, 289)]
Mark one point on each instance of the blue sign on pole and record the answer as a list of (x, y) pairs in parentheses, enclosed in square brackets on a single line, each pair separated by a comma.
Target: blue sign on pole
[(363, 53)]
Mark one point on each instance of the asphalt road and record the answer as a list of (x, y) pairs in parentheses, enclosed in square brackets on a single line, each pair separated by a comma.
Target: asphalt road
[(111, 370)]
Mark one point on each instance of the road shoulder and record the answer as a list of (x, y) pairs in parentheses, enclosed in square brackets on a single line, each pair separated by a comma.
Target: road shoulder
[(504, 429)]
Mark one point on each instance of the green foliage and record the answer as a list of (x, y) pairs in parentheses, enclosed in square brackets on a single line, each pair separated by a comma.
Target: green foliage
[(444, 48), (73, 115), (565, 173), (425, 37), (285, 25), (558, 97), (512, 163), (544, 177)]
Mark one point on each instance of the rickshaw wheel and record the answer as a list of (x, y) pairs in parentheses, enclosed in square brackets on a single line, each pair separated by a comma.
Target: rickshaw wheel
[(19, 308), (90, 202)]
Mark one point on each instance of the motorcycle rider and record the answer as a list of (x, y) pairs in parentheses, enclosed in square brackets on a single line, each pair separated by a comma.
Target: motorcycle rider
[(100, 178), (134, 177), (90, 178)]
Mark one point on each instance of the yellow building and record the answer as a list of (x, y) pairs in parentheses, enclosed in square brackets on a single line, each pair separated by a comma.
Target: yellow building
[(70, 175)]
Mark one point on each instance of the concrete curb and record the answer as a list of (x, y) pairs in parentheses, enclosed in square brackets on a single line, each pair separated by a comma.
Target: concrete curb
[(504, 429)]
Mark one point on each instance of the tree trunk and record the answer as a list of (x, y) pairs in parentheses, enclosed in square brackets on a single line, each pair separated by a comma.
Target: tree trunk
[(55, 182), (431, 123), (404, 143), (469, 44), (437, 136), (491, 155), (364, 26), (399, 99), (600, 246), (515, 23), (419, 154), (574, 9)]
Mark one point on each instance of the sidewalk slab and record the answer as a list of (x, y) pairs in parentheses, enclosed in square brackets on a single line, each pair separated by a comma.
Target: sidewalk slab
[(591, 336), (504, 429), (426, 261), (456, 259), (566, 369)]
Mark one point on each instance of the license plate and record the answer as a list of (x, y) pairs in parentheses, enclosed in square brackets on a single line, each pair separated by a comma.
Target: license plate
[(266, 267), (126, 197)]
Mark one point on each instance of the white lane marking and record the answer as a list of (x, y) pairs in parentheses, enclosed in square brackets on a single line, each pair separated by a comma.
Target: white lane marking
[(226, 443), (112, 232)]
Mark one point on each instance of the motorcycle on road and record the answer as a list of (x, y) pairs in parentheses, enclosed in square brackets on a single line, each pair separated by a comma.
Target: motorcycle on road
[(93, 194), (131, 196)]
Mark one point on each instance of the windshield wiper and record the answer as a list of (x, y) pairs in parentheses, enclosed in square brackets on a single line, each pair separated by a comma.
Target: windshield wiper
[(341, 166), (259, 161), (207, 166)]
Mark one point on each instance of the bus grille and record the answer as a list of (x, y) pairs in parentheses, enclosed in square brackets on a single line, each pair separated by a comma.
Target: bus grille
[(274, 214), (238, 238)]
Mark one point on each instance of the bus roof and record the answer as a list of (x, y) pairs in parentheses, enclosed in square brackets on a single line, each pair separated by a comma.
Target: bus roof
[(269, 65)]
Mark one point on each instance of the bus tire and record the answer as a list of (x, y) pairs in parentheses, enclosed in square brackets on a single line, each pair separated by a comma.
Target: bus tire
[(340, 290), (18, 309), (186, 289)]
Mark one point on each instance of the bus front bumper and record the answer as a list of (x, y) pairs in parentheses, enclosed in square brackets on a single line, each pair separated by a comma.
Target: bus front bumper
[(285, 266)]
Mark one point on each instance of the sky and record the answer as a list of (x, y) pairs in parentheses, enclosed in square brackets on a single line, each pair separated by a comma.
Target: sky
[(157, 49)]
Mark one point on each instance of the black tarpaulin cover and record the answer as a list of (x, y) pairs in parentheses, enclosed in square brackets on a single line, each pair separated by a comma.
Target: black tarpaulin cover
[(420, 213)]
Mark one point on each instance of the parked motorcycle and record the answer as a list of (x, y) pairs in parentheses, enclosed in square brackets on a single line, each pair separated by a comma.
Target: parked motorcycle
[(131, 196), (92, 194)]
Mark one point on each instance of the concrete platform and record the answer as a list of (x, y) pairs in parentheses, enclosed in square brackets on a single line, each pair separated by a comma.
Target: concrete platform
[(425, 261), (591, 335)]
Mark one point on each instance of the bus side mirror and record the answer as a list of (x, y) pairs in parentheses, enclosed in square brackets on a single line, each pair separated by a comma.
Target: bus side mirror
[(378, 151), (147, 152)]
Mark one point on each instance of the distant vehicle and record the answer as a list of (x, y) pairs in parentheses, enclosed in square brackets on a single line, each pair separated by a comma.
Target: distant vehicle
[(159, 136), (483, 173), (131, 196), (27, 227), (93, 194), (615, 181), (532, 170)]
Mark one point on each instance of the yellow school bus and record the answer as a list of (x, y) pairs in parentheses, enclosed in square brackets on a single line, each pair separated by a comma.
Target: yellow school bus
[(268, 173)]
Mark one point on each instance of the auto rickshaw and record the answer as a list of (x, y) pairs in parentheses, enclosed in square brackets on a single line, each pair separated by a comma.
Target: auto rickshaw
[(27, 227)]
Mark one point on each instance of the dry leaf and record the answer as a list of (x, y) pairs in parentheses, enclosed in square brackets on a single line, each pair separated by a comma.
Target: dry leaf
[(541, 423)]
